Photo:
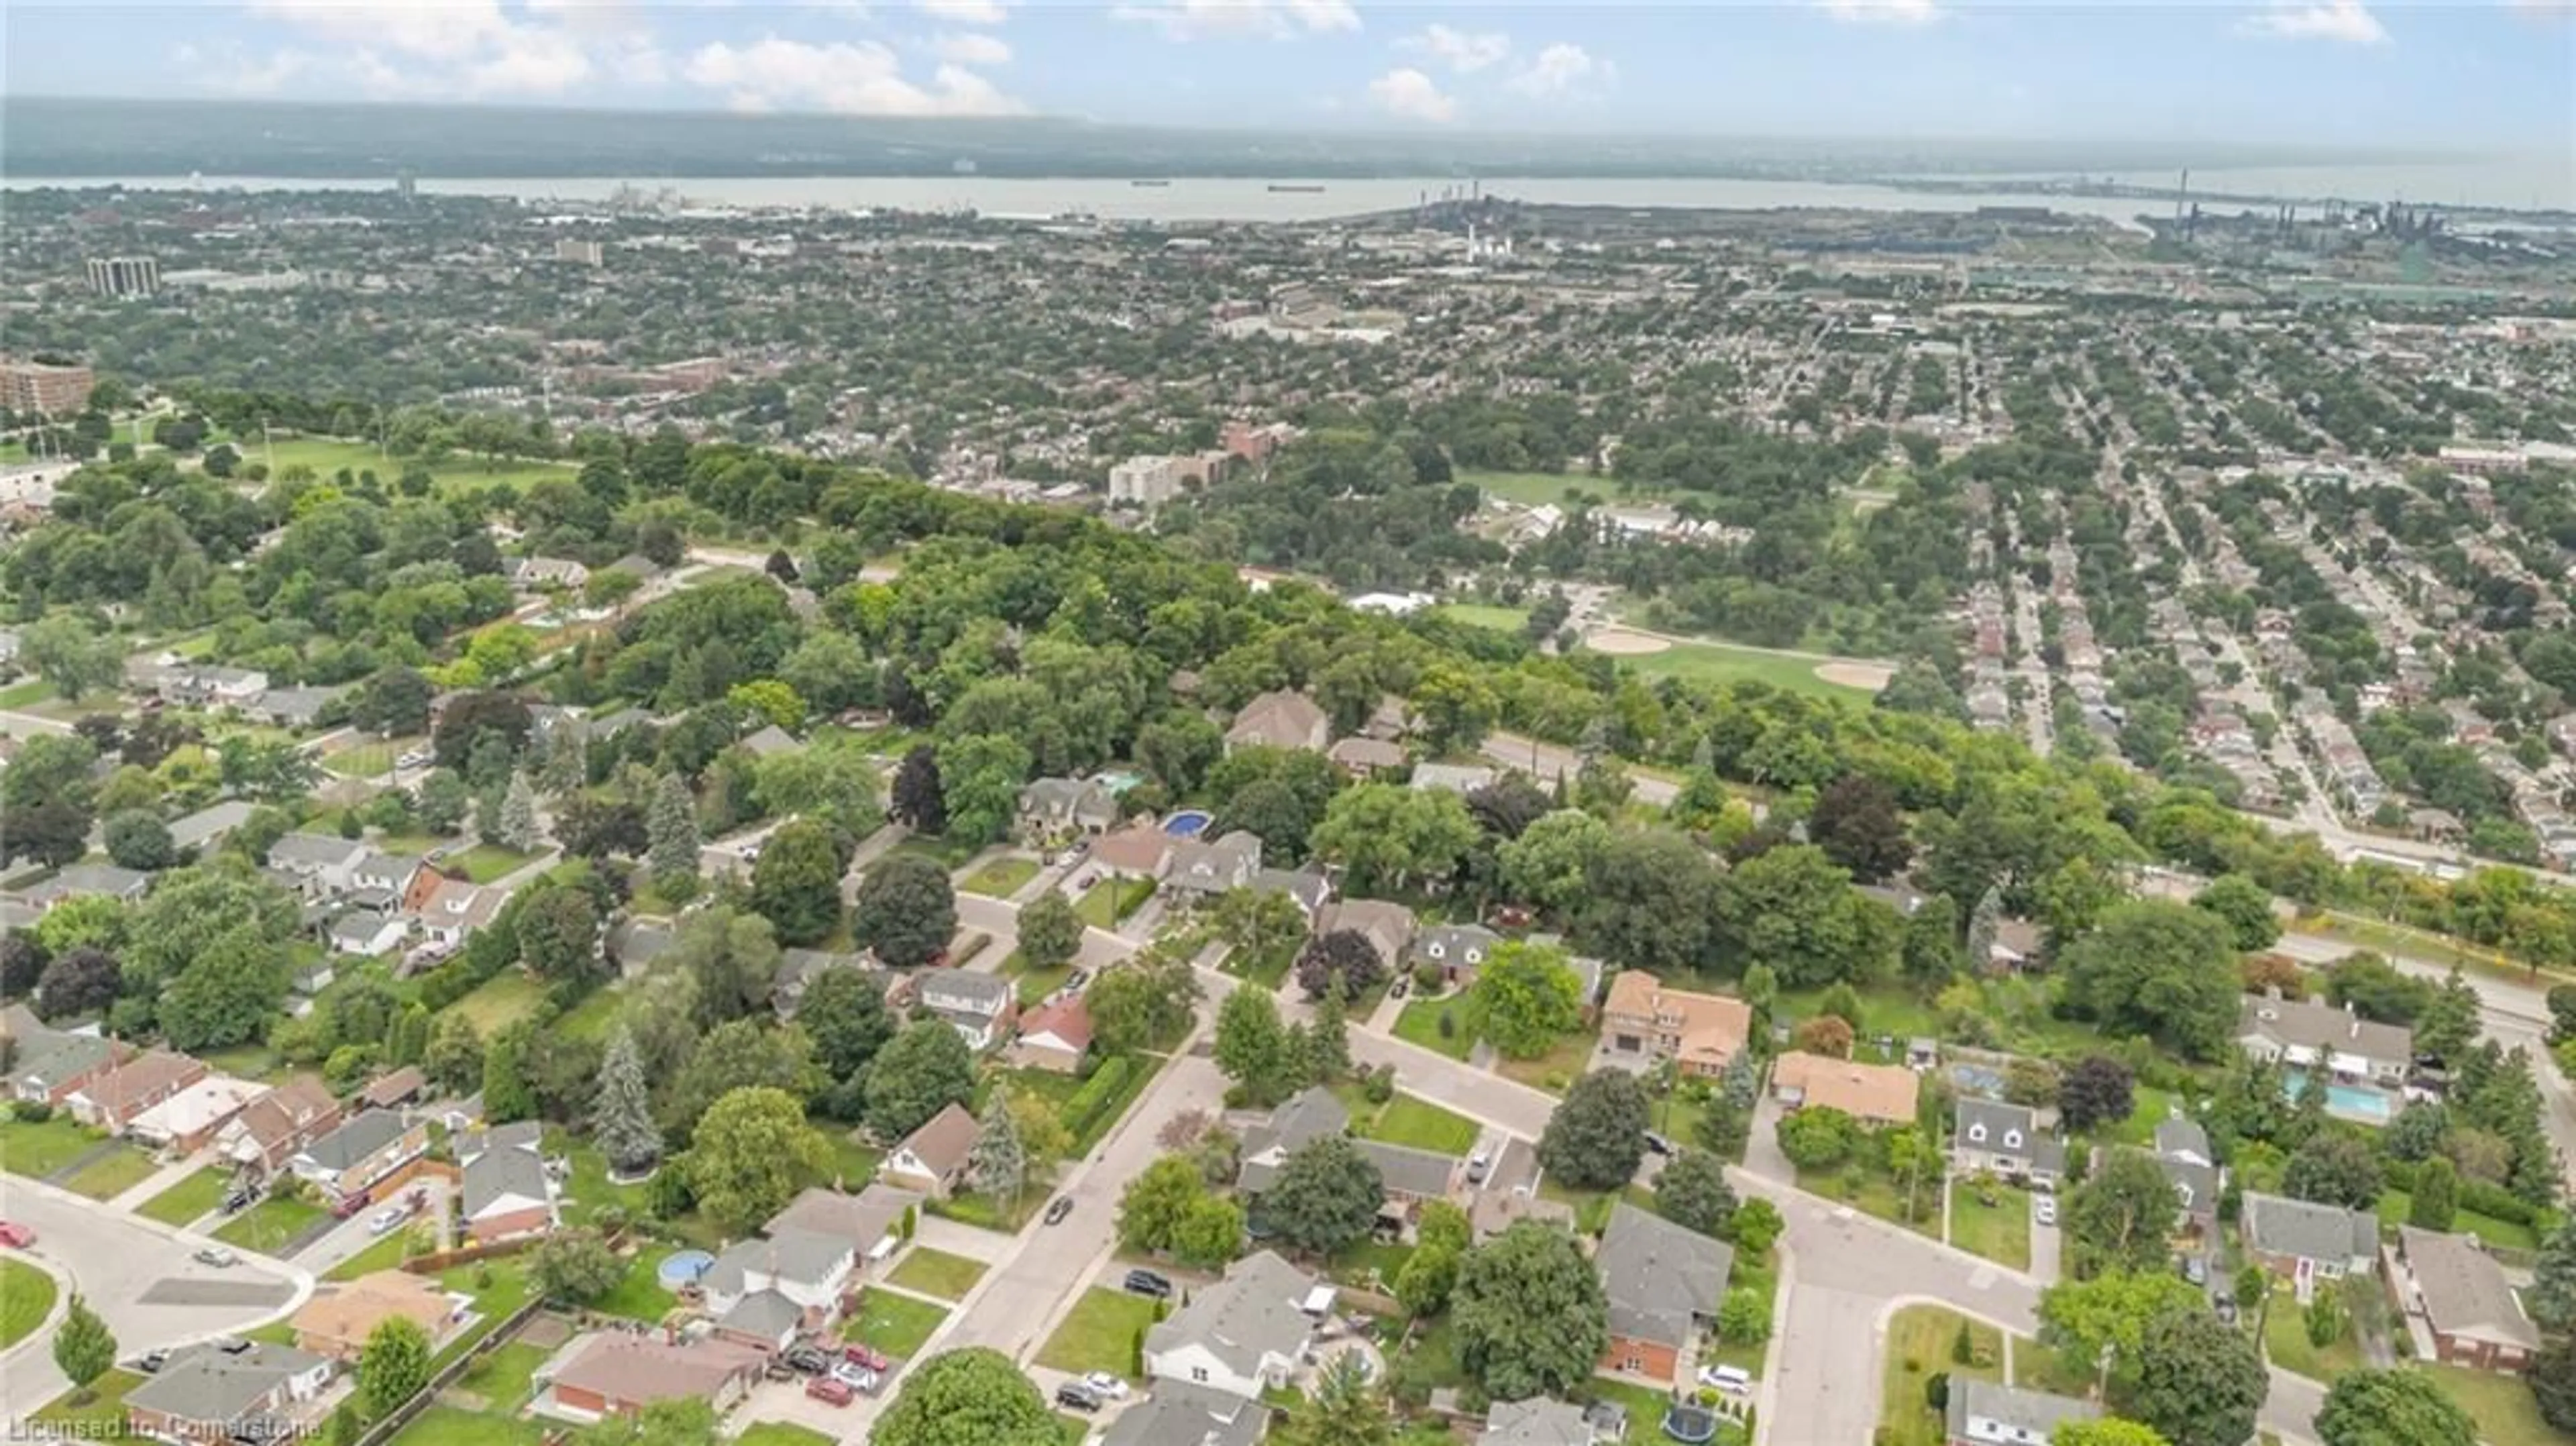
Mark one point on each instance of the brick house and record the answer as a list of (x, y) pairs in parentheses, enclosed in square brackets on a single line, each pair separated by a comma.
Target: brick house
[(1875, 1094), (274, 1127), (1645, 1023), (619, 1374), (204, 1394), (2463, 1299), (1664, 1284), (111, 1098), (505, 1188), (337, 1321), (1056, 1037), (353, 1158)]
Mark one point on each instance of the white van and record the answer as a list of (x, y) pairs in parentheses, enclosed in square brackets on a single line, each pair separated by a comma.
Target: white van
[(1733, 1380)]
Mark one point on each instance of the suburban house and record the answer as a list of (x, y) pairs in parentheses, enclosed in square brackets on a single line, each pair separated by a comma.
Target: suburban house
[(618, 1373), (2463, 1300), (204, 1394), (112, 1096), (1664, 1283), (1387, 927), (363, 933), (534, 574), (1201, 869), (871, 1220), (1539, 1421), (2183, 1153), (1243, 1335), (1280, 720), (763, 1292), (1458, 951), (394, 1087), (210, 825), (1458, 778), (1311, 890), (1363, 757), (1181, 1414), (633, 944), (1644, 1024), (768, 741), (2307, 1035), (338, 1319), (187, 1121), (1982, 1413), (454, 909), (323, 863), (505, 1189), (2004, 1139), (1874, 1094), (276, 1126), (1510, 1195), (2303, 1241), (982, 1008), (1053, 808), (47, 1064), (81, 881), (353, 1158), (932, 1159), (1409, 1176), (799, 968), (395, 874), (1056, 1036), (1301, 1119), (1141, 850)]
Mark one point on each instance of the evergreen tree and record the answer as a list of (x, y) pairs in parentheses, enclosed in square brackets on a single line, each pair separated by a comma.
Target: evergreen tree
[(1329, 1038), (622, 1120), (672, 826), (84, 1348), (996, 1163), (1983, 923), (2551, 1299)]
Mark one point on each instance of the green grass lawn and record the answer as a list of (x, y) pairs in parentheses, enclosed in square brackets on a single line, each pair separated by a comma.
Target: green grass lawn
[(384, 1253), (1555, 1071), (895, 1324), (1919, 1344), (26, 1297), (505, 1376), (1267, 970), (2285, 1341), (936, 1272), (112, 1175), (2501, 1405), (190, 1198), (1420, 1023), (448, 1426), (1762, 1277), (1532, 489), (1485, 615), (1035, 984), (1408, 1120), (639, 1296), (365, 760), (848, 1164), (1001, 878), (100, 1416), (2149, 1107), (26, 694), (499, 1001), (1719, 663), (485, 862), (591, 1018), (1105, 903), (1099, 1334), (780, 1433), (2000, 1232), (269, 1224), (39, 1149), (2395, 1204), (327, 455), (1372, 1263), (1875, 1192), (588, 1187)]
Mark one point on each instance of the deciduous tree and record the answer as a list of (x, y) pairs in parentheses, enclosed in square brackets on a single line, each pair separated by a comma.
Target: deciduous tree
[(84, 1349), (2121, 1218), (906, 910), (1531, 997), (2196, 1379), (1597, 1134), (2095, 1091), (796, 882), (574, 1267), (1050, 931), (920, 1072), (751, 1153), (1530, 1313), (2333, 1168), (394, 1366), (1692, 1192), (971, 1397), (2161, 969), (1325, 1196)]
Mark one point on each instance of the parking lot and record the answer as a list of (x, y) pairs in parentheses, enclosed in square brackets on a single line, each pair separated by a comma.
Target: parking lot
[(139, 1278)]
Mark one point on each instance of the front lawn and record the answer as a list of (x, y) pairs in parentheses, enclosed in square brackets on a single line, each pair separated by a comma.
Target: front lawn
[(38, 1149), (1555, 1071), (2000, 1232), (1762, 1277), (112, 1174), (1269, 970), (1099, 1334), (1001, 878), (936, 1272), (1408, 1120), (1445, 1026), (893, 1323), (26, 1297), (448, 1426), (1105, 903), (188, 1199), (848, 1165), (2285, 1341), (1873, 1191), (99, 1418), (780, 1433), (1921, 1343), (385, 1253), (268, 1225), (1035, 984), (2502, 1406), (485, 862)]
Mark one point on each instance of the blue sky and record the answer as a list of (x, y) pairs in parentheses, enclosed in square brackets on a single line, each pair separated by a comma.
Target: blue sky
[(2492, 74)]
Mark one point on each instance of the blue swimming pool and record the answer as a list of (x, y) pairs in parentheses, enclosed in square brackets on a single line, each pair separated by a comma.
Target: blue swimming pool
[(1188, 823), (683, 1267), (2355, 1101)]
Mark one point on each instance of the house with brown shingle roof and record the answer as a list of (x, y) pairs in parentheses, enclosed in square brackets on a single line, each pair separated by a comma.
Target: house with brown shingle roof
[(272, 1128), (110, 1099), (1141, 850), (1055, 1036), (337, 1321), (1280, 720), (619, 1374), (1874, 1094), (1643, 1023), (932, 1159)]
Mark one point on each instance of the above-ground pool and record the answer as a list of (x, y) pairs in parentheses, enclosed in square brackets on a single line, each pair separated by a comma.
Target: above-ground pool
[(683, 1267), (1188, 823), (1978, 1079), (2352, 1101)]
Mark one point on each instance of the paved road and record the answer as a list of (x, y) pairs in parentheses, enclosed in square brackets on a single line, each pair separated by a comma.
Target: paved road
[(138, 1276), (1001, 919), (1547, 760)]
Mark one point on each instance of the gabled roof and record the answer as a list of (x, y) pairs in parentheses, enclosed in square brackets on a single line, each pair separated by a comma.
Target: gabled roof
[(2306, 1025), (1181, 1414), (2035, 1414), (863, 1219), (1423, 1173), (1996, 1127), (351, 1312), (942, 1144), (316, 851), (2305, 1229), (807, 1257), (1452, 942), (2465, 1292), (964, 991), (1280, 720), (134, 1081), (639, 1370), (1067, 1020), (1882, 1092), (362, 1136), (1536, 1422), (1659, 1276), (1252, 1314), (278, 1115), (204, 1384), (1308, 888), (512, 1176), (764, 1314), (1139, 848), (1301, 1119), (2182, 1139)]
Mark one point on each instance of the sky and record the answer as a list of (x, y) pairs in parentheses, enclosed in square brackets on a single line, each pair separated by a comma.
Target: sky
[(2486, 74)]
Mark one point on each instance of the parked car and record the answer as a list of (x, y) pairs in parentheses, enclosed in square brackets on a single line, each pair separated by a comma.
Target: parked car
[(807, 1361), (1074, 1395), (1731, 1379), (151, 1362), (1106, 1386), (1146, 1282), (857, 1378), (2044, 1209), (1402, 986), (2195, 1269), (239, 1198), (1477, 1164), (1058, 1208), (824, 1388), (15, 1235), (349, 1205), (387, 1220), (1658, 1143), (216, 1256), (867, 1356), (1074, 981)]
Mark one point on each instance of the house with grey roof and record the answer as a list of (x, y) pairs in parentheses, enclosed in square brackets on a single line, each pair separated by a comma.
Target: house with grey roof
[(1363, 757), (1301, 1119), (1410, 1176), (369, 1146), (1243, 1335), (80, 881), (982, 1008), (1280, 720), (1387, 926), (2309, 1035), (768, 741), (2303, 1241), (2463, 1300), (320, 863), (1179, 1413), (1982, 1413), (763, 1291), (1995, 1138), (633, 944), (1537, 1421), (1310, 889), (1201, 869), (48, 1065), (1056, 808), (507, 1190), (1664, 1283), (1453, 777), (293, 707), (871, 1220), (209, 826), (799, 968), (205, 1394), (2183, 1153), (1458, 951)]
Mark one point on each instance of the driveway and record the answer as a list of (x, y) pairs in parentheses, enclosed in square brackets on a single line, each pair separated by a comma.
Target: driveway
[(348, 1237), (138, 1277)]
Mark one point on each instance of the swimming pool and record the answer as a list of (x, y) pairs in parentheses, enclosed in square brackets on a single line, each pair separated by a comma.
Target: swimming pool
[(1188, 823), (683, 1267), (2356, 1101)]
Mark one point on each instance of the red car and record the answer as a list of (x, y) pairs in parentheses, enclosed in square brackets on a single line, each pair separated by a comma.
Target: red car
[(15, 1235), (824, 1388), (867, 1356), (349, 1205)]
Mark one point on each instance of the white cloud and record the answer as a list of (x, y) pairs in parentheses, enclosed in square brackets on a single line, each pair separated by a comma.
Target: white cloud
[(1274, 19), (861, 78), (446, 47), (1882, 12), (1408, 94), (1562, 68), (1462, 51), (450, 31), (963, 12), (2348, 21), (969, 47), (530, 60)]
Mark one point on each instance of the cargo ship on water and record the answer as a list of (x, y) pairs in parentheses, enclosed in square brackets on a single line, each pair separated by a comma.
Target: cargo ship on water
[(1286, 188)]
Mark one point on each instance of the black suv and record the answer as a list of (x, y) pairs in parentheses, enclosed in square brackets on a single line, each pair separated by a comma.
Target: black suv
[(807, 1361), (1146, 1282), (1078, 1396)]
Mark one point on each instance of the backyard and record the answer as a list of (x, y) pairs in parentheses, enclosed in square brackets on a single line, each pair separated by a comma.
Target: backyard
[(188, 1199), (383, 1253), (1099, 1334), (1921, 1342), (639, 1294), (2502, 1405), (1035, 984), (894, 1323), (1999, 1231), (484, 863), (501, 1000)]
